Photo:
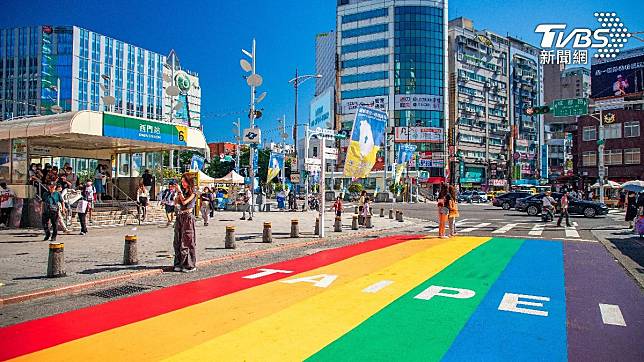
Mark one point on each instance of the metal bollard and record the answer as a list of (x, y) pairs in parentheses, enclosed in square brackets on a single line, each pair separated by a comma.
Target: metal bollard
[(361, 219), (337, 225), (295, 228), (391, 214), (317, 226), (400, 217), (356, 209), (354, 222), (267, 235), (229, 242), (367, 222), (382, 212), (130, 250), (56, 261)]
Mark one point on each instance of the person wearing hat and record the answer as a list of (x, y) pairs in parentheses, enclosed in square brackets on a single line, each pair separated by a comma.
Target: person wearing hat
[(52, 204), (167, 200)]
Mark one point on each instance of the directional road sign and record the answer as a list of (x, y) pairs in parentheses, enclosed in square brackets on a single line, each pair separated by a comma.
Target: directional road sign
[(570, 107)]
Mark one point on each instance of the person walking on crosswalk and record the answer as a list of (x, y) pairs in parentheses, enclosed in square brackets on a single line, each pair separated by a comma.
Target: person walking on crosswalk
[(563, 203), (443, 211), (452, 205)]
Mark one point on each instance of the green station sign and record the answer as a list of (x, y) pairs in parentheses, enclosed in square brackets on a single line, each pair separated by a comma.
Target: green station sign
[(570, 107)]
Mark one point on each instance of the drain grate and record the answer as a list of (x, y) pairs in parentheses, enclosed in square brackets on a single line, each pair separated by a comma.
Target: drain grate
[(118, 291)]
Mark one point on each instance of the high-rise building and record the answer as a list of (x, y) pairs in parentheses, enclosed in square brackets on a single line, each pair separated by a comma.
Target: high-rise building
[(392, 55), (479, 106), (324, 61), (41, 66)]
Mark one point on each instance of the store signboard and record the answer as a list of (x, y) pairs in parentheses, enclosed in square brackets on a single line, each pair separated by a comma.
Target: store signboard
[(350, 106), (419, 134), (421, 102), (321, 112), (137, 129)]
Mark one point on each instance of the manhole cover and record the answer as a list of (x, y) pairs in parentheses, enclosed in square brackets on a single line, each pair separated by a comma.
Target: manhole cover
[(118, 291)]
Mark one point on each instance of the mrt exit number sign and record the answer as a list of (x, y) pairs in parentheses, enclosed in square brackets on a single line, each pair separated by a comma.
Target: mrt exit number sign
[(570, 107)]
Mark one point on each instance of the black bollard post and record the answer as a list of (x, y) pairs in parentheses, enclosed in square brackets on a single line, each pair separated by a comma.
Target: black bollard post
[(367, 222), (391, 214), (56, 261), (229, 242), (354, 222), (267, 235), (317, 226), (130, 250), (337, 226), (295, 228), (382, 212)]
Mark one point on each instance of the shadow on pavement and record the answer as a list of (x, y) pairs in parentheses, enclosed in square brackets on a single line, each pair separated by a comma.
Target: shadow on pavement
[(117, 267), (632, 247)]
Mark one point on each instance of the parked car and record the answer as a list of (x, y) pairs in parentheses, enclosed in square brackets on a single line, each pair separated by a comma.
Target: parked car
[(472, 196), (465, 196), (508, 200), (479, 196), (532, 206)]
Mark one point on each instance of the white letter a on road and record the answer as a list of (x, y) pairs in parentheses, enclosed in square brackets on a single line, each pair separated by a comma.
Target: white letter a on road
[(320, 281)]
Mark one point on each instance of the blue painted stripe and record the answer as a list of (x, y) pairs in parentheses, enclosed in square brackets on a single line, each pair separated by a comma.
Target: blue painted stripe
[(493, 334)]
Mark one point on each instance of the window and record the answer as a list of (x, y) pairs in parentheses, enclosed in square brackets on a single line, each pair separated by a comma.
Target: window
[(632, 129), (380, 59), (589, 158), (365, 15), (364, 77), (613, 131), (590, 133), (373, 29), (366, 92), (613, 157), (631, 156), (376, 44)]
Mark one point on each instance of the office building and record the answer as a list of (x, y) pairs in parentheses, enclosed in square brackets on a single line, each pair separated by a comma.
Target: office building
[(325, 61), (392, 55), (42, 66)]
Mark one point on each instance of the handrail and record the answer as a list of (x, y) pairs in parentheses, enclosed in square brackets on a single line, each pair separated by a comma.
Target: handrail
[(127, 198)]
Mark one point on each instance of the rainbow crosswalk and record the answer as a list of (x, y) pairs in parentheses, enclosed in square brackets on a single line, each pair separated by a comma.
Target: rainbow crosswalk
[(395, 298)]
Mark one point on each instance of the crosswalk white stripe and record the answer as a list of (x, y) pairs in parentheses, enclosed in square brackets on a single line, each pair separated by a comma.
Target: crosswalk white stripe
[(458, 223), (571, 232), (574, 223), (504, 229), (537, 230), (475, 227)]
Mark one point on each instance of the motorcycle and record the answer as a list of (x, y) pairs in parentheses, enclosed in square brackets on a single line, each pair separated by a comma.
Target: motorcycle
[(548, 214)]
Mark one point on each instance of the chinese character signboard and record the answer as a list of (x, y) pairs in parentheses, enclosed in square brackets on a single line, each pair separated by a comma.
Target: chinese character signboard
[(419, 134), (423, 102), (570, 107), (350, 106), (131, 128)]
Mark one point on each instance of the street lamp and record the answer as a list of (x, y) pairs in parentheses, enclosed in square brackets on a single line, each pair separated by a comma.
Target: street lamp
[(296, 83)]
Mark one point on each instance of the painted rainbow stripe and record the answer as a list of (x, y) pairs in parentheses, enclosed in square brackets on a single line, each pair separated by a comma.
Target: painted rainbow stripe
[(396, 298)]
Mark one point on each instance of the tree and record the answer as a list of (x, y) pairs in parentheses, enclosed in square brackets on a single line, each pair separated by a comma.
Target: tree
[(217, 168), (185, 157)]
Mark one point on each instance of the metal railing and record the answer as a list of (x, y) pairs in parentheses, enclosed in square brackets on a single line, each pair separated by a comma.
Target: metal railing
[(122, 206)]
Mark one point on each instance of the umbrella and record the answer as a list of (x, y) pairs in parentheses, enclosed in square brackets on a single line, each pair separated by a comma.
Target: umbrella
[(635, 186), (609, 184)]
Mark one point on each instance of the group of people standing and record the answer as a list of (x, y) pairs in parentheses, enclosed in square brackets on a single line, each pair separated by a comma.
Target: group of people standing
[(447, 210)]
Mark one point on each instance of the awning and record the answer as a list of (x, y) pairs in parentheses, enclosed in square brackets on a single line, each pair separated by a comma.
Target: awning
[(231, 178)]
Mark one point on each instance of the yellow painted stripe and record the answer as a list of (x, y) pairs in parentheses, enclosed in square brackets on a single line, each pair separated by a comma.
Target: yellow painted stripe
[(295, 333), (171, 333)]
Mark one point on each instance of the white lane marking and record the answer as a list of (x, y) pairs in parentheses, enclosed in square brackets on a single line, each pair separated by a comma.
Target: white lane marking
[(611, 314), (458, 223), (571, 232), (475, 227), (574, 223), (504, 229), (374, 288), (537, 230)]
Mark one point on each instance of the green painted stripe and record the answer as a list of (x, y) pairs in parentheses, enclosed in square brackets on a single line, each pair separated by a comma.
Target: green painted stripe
[(423, 330)]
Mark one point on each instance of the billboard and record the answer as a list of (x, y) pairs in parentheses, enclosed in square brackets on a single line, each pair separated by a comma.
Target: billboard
[(350, 106), (618, 77), (419, 134), (421, 102), (321, 110)]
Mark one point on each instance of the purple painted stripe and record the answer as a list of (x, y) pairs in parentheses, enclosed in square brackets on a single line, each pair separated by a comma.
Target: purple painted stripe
[(593, 277)]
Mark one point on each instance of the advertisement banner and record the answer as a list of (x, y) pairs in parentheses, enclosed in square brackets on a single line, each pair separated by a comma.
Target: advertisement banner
[(419, 134), (197, 162), (321, 110), (544, 161), (421, 102), (275, 165), (350, 106), (131, 128), (367, 137), (617, 77), (405, 152)]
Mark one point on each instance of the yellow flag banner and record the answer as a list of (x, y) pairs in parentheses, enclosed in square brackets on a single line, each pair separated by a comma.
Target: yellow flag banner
[(367, 137)]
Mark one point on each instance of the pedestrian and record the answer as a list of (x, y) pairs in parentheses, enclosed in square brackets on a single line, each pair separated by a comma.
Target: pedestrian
[(167, 200), (89, 192), (100, 182), (361, 200), (204, 200), (547, 209), (452, 205), (52, 202), (337, 206), (366, 208), (563, 209), (7, 197), (148, 180), (260, 200), (631, 208), (291, 201), (622, 200), (245, 200), (62, 210), (185, 257), (281, 196), (443, 211), (81, 210), (142, 200)]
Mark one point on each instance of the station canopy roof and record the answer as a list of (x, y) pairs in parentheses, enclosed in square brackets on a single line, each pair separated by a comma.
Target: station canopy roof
[(90, 130)]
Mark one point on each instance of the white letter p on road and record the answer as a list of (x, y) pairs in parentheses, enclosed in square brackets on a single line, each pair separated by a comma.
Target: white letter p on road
[(436, 290)]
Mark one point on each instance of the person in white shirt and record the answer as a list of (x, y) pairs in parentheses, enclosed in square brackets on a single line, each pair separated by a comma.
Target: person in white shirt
[(548, 207), (6, 203), (142, 198)]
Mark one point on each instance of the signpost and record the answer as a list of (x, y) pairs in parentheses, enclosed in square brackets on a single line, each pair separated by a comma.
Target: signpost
[(252, 135), (570, 107)]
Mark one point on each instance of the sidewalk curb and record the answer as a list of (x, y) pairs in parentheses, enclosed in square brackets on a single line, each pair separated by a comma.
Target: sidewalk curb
[(15, 299), (625, 262)]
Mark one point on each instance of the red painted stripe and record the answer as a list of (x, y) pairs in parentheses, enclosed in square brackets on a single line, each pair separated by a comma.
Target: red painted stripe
[(47, 332)]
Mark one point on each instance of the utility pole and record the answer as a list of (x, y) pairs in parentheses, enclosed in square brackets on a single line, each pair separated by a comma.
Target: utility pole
[(252, 149), (600, 151)]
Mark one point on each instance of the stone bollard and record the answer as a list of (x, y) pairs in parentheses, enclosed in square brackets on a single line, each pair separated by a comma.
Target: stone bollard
[(229, 242), (337, 225), (317, 226), (382, 212), (295, 228), (56, 261), (356, 209), (367, 222), (130, 250), (400, 216), (354, 222), (391, 214), (361, 219), (267, 235)]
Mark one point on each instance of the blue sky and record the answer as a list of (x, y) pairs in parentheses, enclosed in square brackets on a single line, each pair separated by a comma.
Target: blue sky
[(208, 36)]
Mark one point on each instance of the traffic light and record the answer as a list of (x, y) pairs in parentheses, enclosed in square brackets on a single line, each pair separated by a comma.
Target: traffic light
[(537, 110)]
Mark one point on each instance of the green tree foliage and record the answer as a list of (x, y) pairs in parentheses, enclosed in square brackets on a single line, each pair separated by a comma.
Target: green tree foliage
[(356, 188)]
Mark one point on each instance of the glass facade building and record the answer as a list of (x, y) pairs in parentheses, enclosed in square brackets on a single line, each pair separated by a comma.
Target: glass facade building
[(43, 65), (393, 56)]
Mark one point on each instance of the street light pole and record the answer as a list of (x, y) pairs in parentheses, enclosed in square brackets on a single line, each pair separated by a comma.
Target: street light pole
[(600, 151), (295, 86)]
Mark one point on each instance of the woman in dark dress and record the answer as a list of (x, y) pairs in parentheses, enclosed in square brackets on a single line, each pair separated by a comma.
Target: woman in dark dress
[(631, 208), (185, 256)]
